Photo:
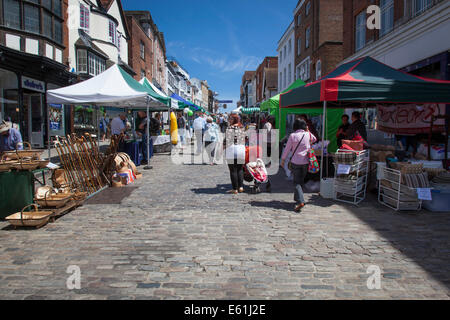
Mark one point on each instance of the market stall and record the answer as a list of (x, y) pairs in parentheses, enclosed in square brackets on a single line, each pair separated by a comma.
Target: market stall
[(367, 83), (86, 171)]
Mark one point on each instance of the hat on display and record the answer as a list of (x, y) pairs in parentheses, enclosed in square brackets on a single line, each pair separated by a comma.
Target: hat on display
[(5, 126)]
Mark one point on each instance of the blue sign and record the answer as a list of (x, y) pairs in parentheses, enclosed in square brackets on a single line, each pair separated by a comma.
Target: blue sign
[(225, 101)]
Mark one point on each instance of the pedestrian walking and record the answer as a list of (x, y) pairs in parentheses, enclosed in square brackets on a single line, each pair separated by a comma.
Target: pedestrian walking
[(299, 144), (211, 139), (181, 122), (234, 144), (199, 127)]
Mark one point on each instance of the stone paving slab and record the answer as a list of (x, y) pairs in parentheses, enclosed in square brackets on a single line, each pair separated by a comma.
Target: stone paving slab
[(179, 236)]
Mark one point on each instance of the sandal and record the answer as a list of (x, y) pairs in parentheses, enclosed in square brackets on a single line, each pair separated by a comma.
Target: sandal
[(232, 191), (299, 207), (241, 190)]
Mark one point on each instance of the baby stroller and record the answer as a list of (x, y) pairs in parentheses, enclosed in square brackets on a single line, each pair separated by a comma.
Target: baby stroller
[(255, 172)]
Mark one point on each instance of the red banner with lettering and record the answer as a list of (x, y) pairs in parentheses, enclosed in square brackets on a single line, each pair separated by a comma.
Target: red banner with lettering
[(410, 118)]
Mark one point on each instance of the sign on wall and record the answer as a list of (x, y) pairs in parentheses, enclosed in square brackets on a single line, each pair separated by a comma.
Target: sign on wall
[(410, 118), (32, 84)]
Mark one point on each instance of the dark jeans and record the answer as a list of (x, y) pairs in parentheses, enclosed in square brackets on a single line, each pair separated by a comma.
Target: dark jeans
[(299, 172), (236, 175)]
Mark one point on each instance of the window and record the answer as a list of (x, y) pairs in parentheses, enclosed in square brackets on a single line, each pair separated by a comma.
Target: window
[(96, 64), (47, 4), (118, 42), (143, 75), (142, 51), (308, 8), (11, 15), (112, 32), (82, 61), (58, 31), (47, 25), (299, 19), (280, 83), (318, 69), (299, 45), (57, 8), (420, 6), (281, 55), (31, 17), (284, 79), (387, 16), (303, 69), (289, 75), (307, 35), (84, 18), (360, 31), (290, 46)]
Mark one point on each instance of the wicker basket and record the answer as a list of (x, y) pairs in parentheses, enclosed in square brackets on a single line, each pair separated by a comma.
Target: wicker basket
[(29, 153), (56, 200), (34, 218)]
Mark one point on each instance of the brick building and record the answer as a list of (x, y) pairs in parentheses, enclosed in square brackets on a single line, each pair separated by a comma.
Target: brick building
[(261, 71), (147, 51), (412, 35), (318, 37), (247, 89)]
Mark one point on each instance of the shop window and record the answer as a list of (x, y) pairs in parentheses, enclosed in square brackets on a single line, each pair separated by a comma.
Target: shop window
[(9, 109), (360, 31), (11, 13), (82, 61), (47, 25), (84, 18), (387, 16), (31, 16)]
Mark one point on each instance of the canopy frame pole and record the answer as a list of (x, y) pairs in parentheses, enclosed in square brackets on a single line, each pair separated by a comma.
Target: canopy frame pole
[(324, 117), (98, 126), (148, 166), (48, 133)]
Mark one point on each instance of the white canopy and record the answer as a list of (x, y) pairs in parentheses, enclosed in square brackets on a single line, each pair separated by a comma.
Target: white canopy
[(113, 88), (145, 82)]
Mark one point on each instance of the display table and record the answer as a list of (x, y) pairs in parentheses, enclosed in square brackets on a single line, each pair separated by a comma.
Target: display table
[(16, 191), (133, 149)]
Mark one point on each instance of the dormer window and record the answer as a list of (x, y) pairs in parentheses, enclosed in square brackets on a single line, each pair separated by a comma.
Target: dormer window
[(113, 33), (84, 18)]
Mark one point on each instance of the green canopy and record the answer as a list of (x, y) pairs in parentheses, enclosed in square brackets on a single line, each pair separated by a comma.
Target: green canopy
[(158, 96), (273, 103), (250, 110), (366, 82)]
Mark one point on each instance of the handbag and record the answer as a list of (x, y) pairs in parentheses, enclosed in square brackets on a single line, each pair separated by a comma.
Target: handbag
[(290, 160), (313, 162)]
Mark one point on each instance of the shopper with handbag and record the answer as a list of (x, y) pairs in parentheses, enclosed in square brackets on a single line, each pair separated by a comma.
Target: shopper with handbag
[(299, 144)]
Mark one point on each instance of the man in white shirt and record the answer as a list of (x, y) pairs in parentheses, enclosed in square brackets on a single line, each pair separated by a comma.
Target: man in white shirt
[(118, 125), (199, 127)]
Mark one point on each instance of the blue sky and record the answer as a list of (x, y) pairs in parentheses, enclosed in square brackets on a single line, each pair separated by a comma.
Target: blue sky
[(218, 40)]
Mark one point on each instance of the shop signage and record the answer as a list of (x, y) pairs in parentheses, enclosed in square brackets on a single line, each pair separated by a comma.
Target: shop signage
[(410, 118), (32, 84), (226, 101), (343, 169), (424, 194)]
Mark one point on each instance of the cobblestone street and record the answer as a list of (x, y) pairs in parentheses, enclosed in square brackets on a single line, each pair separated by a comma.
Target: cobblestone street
[(177, 235)]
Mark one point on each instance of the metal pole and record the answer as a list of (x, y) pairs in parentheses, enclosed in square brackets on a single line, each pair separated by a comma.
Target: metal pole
[(48, 133), (148, 166), (323, 137)]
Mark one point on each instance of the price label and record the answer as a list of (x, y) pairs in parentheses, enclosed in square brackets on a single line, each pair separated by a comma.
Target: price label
[(424, 194), (343, 169)]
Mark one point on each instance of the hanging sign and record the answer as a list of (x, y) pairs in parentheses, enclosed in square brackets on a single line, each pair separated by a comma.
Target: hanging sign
[(410, 118), (32, 84), (56, 117), (424, 194)]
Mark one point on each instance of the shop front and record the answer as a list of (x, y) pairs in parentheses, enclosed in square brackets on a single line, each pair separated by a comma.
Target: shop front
[(24, 80)]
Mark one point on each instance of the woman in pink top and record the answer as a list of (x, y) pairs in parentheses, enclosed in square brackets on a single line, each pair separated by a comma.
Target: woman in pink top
[(299, 144)]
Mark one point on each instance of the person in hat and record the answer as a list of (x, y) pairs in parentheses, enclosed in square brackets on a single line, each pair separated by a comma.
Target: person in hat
[(10, 138)]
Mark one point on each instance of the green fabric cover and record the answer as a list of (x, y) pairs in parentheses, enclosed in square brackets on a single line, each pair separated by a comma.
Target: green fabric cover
[(16, 191)]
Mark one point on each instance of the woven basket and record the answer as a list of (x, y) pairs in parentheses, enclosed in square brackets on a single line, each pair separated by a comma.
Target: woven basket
[(34, 218)]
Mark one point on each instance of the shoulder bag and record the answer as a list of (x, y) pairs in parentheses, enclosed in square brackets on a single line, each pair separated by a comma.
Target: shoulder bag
[(313, 162)]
